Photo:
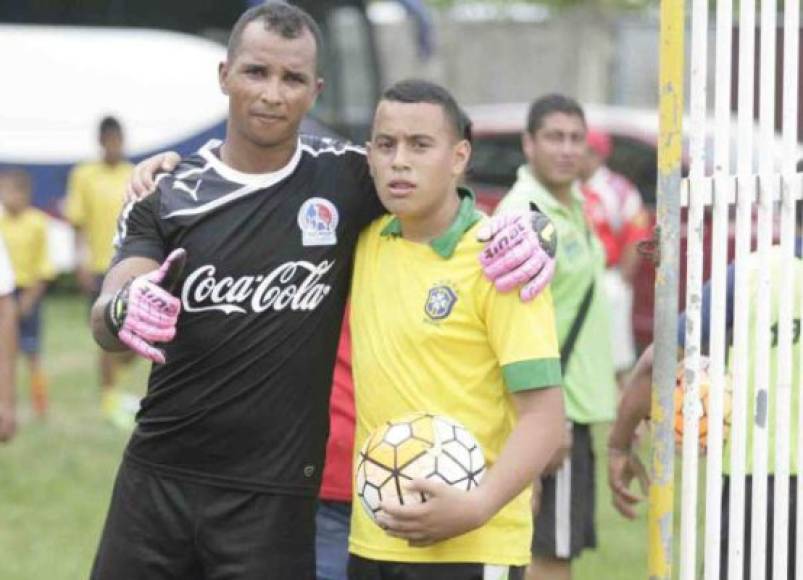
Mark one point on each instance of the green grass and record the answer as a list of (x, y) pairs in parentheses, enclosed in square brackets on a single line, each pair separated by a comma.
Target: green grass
[(56, 476)]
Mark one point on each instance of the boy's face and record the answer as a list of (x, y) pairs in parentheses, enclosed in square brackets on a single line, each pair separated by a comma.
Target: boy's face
[(111, 141), (13, 197), (556, 149), (415, 157)]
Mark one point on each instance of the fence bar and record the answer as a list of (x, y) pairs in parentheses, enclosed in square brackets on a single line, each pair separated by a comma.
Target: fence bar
[(721, 200), (766, 115), (661, 502), (745, 192), (783, 391), (694, 285)]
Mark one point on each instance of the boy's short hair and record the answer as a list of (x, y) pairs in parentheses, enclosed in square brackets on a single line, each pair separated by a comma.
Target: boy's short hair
[(421, 91), (548, 104), (109, 124)]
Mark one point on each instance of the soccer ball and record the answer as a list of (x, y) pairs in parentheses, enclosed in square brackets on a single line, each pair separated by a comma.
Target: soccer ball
[(418, 446), (700, 407)]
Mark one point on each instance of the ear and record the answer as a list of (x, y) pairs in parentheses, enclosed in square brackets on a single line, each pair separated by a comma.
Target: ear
[(222, 76), (320, 84), (527, 144), (369, 149), (462, 155)]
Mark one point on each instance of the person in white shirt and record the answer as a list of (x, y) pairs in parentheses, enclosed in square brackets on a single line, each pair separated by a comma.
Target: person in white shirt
[(8, 348)]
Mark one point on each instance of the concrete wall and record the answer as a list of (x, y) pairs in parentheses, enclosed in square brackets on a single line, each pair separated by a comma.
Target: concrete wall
[(592, 55)]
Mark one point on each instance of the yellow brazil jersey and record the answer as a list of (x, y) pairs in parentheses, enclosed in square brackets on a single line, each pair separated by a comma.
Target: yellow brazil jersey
[(430, 333), (25, 236), (95, 195)]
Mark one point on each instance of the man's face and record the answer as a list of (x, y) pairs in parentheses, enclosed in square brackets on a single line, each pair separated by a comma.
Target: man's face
[(556, 149), (112, 143), (271, 82), (415, 157)]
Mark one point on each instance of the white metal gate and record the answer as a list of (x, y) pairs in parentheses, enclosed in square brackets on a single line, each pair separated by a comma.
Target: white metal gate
[(742, 199)]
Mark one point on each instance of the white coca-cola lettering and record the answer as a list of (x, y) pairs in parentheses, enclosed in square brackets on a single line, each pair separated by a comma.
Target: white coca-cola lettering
[(282, 288)]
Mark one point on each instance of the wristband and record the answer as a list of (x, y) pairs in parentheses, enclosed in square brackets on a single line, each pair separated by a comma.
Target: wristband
[(544, 228), (117, 309)]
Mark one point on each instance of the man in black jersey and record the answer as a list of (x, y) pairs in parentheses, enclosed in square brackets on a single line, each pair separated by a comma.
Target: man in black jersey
[(220, 476)]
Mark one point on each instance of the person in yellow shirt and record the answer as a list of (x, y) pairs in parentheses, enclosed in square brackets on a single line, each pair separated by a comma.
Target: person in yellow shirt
[(24, 231), (95, 196), (430, 333)]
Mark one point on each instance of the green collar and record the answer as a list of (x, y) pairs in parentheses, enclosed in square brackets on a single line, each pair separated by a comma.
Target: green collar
[(547, 201), (445, 244)]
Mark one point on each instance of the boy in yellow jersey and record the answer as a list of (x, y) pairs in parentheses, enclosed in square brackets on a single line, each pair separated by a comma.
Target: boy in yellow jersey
[(24, 231), (431, 334), (95, 196)]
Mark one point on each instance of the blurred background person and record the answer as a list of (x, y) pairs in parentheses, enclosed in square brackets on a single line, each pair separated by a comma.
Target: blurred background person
[(95, 195), (617, 214), (554, 145), (24, 231), (8, 348)]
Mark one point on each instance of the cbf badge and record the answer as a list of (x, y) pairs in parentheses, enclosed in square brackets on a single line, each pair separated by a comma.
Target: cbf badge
[(318, 219), (440, 301)]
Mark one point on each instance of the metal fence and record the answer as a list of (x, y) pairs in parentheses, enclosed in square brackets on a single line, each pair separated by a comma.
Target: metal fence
[(756, 358)]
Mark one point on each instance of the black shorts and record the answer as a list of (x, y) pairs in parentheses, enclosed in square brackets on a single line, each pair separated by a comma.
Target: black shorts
[(364, 569), (748, 493), (564, 526), (160, 528)]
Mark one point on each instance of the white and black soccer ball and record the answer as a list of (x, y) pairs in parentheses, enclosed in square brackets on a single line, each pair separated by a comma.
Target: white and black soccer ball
[(416, 446)]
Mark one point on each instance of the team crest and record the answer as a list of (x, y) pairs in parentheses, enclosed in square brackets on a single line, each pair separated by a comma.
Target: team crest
[(318, 219), (440, 301)]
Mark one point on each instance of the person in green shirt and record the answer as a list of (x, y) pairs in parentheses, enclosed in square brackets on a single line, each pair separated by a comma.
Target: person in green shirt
[(553, 143)]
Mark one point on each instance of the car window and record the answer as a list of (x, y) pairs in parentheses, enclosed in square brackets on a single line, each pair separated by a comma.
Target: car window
[(637, 161), (349, 65), (495, 159)]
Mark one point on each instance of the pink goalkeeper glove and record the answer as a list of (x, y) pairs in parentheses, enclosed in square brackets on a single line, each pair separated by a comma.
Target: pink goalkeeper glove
[(144, 311), (520, 251)]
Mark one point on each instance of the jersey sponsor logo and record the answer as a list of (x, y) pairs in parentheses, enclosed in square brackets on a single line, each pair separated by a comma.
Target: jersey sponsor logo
[(318, 220), (440, 301), (293, 285)]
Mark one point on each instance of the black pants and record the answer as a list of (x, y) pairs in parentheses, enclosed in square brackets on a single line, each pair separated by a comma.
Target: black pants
[(364, 569), (748, 494), (159, 528)]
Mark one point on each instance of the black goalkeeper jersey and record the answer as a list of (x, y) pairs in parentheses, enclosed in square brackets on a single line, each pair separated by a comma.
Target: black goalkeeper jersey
[(243, 399)]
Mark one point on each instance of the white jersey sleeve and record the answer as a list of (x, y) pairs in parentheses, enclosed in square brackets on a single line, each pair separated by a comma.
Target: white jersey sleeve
[(6, 273)]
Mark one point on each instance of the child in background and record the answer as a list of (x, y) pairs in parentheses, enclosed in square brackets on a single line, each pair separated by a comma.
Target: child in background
[(24, 231)]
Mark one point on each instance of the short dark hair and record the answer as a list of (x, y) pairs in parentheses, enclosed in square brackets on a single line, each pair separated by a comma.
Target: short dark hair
[(18, 177), (421, 91), (279, 17), (549, 104), (109, 124)]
